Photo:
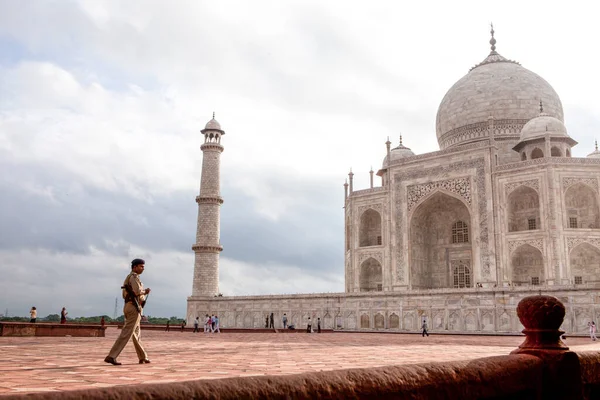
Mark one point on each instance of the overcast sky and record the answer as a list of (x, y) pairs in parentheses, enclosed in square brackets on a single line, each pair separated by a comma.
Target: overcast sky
[(102, 103)]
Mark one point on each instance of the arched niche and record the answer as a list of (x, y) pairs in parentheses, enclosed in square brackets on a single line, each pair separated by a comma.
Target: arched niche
[(523, 156), (379, 321), (581, 205), (537, 153), (364, 321), (370, 228), (527, 266), (523, 210), (371, 277), (555, 152), (431, 240), (394, 321), (585, 263)]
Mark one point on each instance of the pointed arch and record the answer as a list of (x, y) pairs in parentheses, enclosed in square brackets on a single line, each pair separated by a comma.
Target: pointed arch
[(523, 209), (527, 265), (394, 321), (432, 235), (370, 276), (584, 260), (581, 203), (555, 152), (537, 153), (370, 228), (364, 321), (379, 321)]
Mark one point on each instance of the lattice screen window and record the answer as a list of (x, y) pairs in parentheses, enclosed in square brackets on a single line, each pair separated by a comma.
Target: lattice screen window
[(460, 232), (379, 287), (578, 280), (572, 222), (379, 240), (462, 276), (531, 225), (535, 280)]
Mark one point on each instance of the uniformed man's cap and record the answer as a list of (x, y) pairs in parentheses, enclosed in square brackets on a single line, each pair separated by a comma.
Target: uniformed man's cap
[(137, 261)]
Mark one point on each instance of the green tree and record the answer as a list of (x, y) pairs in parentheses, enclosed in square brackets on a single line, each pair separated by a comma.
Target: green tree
[(52, 318)]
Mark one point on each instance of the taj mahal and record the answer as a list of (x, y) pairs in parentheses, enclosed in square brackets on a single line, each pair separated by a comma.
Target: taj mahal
[(456, 237)]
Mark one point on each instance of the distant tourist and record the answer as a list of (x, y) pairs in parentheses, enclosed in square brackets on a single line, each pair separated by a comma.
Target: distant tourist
[(267, 321), (216, 328), (424, 327), (168, 326), (284, 320), (207, 324), (134, 295), (592, 326), (102, 322), (319, 325), (212, 323), (271, 323), (182, 325), (309, 326), (33, 313), (63, 316), (196, 325)]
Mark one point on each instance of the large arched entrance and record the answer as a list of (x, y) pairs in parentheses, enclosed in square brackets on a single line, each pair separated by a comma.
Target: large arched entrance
[(439, 238), (523, 210)]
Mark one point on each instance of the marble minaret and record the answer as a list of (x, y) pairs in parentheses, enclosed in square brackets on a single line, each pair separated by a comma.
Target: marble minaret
[(208, 246)]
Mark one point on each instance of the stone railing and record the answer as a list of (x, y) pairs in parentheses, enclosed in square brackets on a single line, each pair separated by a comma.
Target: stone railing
[(541, 368), (50, 329)]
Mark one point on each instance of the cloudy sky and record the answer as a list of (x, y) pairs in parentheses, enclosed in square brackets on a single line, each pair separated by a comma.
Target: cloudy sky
[(101, 104)]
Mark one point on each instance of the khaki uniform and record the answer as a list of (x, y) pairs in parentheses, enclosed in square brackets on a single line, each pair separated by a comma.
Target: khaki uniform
[(131, 329)]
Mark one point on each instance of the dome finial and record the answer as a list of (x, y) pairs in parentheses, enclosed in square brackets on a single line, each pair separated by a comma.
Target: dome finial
[(400, 139), (213, 115), (492, 40), (596, 144), (541, 107)]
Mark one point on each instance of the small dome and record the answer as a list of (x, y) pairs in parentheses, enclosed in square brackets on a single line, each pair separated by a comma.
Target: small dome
[(541, 125), (213, 124), (595, 153), (398, 152)]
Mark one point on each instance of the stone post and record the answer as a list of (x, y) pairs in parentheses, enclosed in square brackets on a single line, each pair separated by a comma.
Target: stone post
[(371, 177), (542, 317)]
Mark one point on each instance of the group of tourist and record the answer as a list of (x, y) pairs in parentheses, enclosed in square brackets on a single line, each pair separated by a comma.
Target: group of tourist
[(211, 324), (33, 315)]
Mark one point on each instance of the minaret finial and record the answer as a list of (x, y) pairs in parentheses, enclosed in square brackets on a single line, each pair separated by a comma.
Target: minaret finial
[(213, 115), (400, 139), (541, 106), (492, 40), (596, 144)]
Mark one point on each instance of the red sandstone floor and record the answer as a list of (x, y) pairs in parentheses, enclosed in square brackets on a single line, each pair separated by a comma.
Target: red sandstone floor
[(33, 364)]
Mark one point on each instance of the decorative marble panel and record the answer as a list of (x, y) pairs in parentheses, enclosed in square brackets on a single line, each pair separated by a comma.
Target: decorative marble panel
[(460, 186), (377, 255), (570, 181), (532, 183), (575, 241), (377, 207), (537, 243)]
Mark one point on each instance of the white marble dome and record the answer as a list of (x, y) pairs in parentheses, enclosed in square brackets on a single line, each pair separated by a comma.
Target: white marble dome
[(496, 87), (397, 153), (595, 153), (213, 125), (538, 127)]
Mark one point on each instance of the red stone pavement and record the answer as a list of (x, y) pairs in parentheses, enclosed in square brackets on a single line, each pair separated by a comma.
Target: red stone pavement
[(33, 364)]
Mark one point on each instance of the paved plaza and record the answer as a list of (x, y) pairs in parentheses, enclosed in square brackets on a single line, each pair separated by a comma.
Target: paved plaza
[(34, 364)]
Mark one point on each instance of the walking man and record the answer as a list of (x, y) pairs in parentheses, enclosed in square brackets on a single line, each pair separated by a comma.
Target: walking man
[(309, 326), (63, 315), (168, 326), (284, 320), (135, 298), (271, 323), (424, 327), (592, 326), (319, 325), (196, 324)]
